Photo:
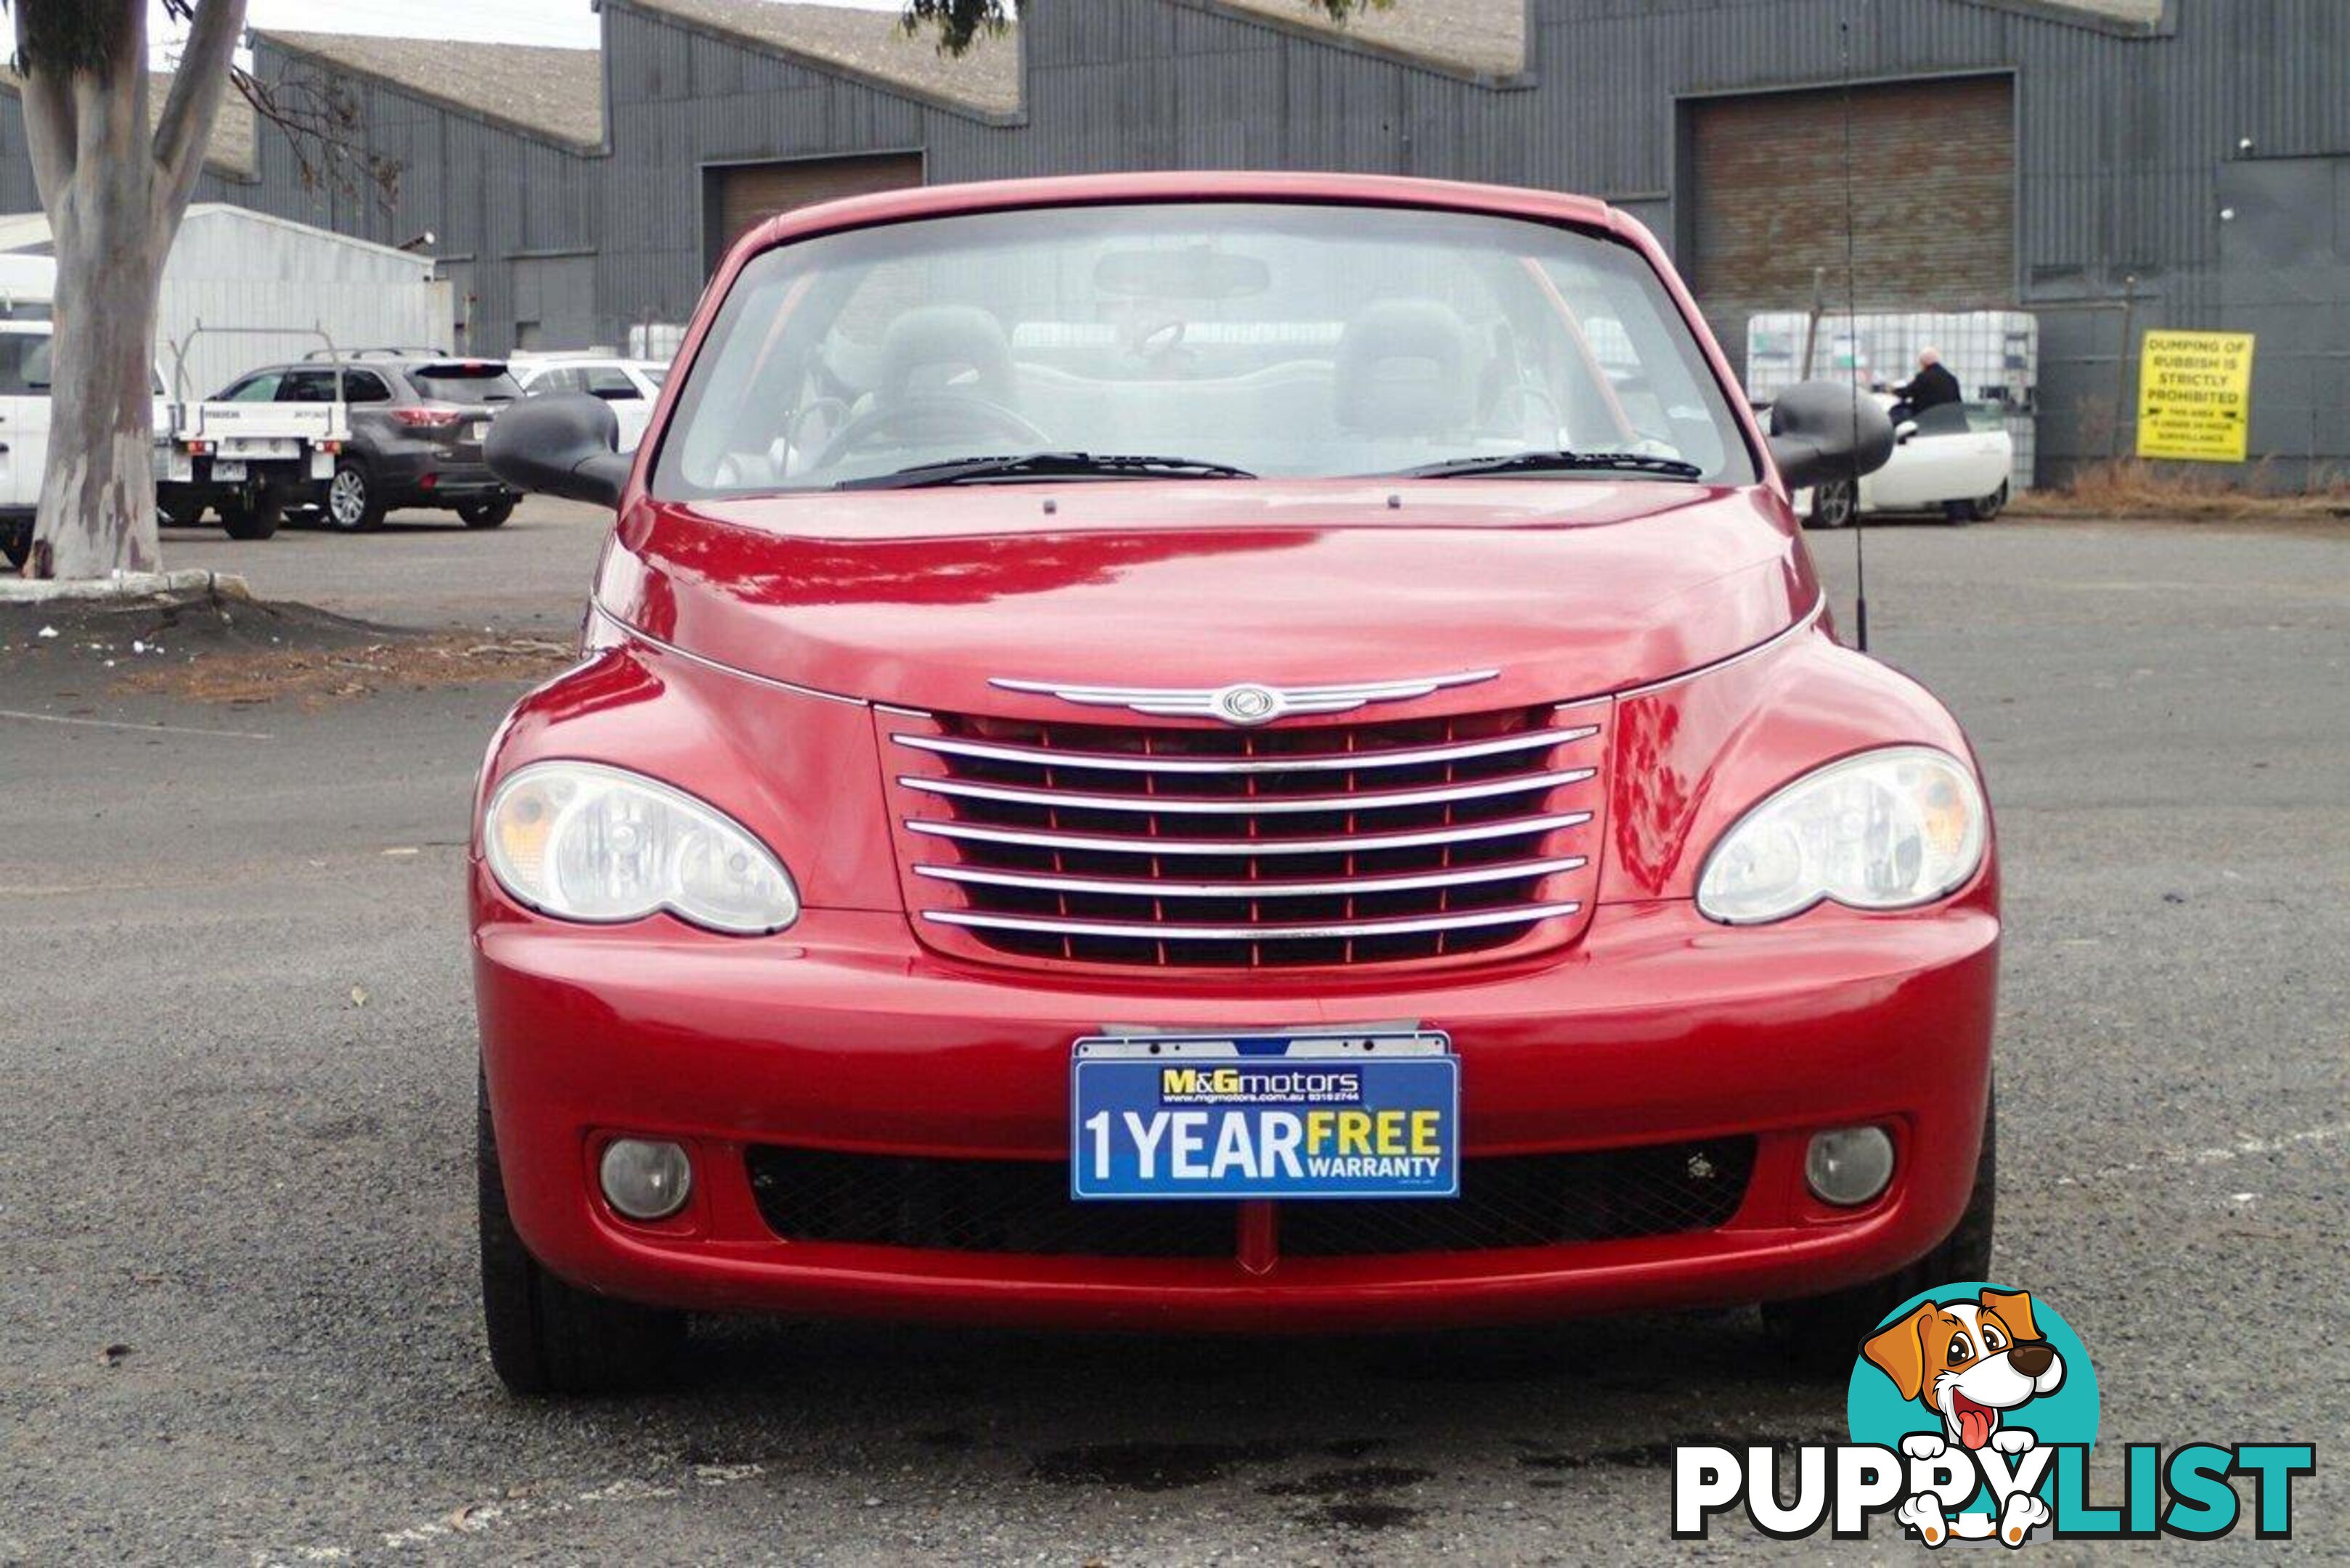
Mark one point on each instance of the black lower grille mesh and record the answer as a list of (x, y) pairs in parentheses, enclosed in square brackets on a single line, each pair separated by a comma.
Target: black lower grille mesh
[(971, 1206), (1024, 1206), (1538, 1200)]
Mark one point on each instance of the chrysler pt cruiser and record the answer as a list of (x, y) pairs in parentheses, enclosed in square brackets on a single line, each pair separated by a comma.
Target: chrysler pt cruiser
[(1223, 751)]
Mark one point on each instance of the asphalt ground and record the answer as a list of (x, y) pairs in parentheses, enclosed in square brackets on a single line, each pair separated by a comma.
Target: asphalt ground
[(239, 1318)]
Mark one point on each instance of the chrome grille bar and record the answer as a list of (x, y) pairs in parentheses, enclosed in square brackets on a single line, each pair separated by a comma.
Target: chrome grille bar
[(1199, 702), (1151, 930), (1341, 761), (1252, 806), (1143, 887), (1359, 844)]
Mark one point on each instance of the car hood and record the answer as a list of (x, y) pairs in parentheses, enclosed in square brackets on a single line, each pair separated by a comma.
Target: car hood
[(920, 597)]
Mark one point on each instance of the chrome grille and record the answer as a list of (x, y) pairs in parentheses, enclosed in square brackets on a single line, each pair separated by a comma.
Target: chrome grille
[(1189, 847)]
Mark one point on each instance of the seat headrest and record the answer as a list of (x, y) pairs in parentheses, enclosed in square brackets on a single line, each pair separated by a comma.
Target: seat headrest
[(946, 348), (1403, 369)]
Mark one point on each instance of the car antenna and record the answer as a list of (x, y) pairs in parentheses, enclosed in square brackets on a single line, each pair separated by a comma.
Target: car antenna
[(1852, 326)]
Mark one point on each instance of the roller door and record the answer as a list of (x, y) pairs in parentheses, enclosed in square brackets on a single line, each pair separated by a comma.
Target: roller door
[(741, 195), (1933, 199)]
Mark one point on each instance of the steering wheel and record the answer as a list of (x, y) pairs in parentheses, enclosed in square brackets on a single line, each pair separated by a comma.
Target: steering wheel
[(955, 409)]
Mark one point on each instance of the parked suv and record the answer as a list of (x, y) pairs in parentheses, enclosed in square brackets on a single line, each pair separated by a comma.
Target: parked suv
[(416, 421)]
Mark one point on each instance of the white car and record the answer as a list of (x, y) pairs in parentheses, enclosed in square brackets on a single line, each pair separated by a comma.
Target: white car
[(1953, 458), (25, 359), (630, 386)]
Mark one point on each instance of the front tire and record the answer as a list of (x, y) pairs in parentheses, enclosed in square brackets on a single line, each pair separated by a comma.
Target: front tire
[(485, 513), (1823, 1333), (548, 1337), (353, 505), (1835, 503)]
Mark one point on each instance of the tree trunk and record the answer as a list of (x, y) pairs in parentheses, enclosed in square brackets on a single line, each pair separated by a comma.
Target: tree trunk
[(98, 493), (114, 191)]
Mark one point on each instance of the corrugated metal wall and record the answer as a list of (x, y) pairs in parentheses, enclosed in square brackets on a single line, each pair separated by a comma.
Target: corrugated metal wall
[(2121, 138), (492, 196)]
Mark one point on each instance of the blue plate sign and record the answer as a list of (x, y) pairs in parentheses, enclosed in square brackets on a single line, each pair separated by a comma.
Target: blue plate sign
[(1366, 1114)]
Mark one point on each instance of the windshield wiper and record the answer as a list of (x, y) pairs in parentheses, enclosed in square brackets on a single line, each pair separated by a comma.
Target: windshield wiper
[(1555, 462), (1046, 465)]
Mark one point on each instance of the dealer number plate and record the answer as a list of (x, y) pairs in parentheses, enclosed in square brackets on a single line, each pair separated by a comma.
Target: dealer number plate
[(1371, 1113)]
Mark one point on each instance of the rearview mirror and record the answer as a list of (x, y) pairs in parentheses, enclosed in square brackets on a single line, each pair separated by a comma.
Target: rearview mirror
[(1827, 430), (1194, 272), (561, 445)]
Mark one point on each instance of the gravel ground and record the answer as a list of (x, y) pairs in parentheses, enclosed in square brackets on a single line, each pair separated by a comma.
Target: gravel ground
[(237, 1309), (425, 570)]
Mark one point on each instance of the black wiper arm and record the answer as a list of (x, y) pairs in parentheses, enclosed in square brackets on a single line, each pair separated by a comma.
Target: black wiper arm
[(1046, 465), (1556, 463)]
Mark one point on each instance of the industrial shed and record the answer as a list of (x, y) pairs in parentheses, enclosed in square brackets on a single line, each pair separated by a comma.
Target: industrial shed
[(2107, 166), (266, 289)]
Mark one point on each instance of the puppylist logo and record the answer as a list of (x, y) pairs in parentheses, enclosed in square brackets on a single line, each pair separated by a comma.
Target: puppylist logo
[(1972, 1409)]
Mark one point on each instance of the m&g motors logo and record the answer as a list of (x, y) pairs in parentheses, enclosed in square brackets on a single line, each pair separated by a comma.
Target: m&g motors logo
[(1972, 1409)]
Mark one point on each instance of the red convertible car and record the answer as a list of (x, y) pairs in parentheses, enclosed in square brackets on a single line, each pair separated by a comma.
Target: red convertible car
[(1223, 752)]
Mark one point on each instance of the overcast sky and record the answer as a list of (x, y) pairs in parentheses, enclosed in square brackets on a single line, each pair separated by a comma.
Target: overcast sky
[(558, 22)]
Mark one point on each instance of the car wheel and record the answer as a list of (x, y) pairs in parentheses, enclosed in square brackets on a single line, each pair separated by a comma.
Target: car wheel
[(1823, 1333), (1985, 508), (255, 519), (352, 503), (1833, 504), (548, 1337), (485, 513)]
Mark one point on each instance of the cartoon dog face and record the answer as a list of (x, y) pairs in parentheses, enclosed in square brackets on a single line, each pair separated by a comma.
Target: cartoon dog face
[(1967, 1361)]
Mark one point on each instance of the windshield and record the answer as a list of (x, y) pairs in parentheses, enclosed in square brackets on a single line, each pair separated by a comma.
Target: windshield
[(1282, 340)]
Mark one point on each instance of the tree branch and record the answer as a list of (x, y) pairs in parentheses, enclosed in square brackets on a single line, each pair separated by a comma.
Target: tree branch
[(321, 123), (185, 131)]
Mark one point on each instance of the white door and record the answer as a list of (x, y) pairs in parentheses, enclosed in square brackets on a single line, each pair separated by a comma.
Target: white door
[(1944, 460), (24, 417)]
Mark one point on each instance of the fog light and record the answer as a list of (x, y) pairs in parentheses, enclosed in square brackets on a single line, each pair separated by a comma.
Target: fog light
[(1849, 1165), (645, 1180)]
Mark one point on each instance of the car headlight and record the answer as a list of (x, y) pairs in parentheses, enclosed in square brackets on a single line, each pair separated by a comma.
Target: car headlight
[(1884, 830), (586, 842)]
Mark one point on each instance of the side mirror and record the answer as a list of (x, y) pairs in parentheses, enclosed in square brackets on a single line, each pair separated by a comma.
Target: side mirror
[(560, 445), (1824, 430)]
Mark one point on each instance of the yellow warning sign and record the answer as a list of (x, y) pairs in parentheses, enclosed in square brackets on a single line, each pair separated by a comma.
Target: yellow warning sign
[(2195, 396)]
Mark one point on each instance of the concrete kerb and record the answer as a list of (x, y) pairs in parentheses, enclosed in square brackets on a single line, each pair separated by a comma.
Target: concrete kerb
[(125, 586)]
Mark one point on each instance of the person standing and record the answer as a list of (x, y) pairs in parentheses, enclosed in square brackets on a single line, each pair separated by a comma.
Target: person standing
[(1932, 386)]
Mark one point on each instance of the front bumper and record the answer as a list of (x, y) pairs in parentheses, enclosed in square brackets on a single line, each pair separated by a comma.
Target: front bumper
[(1657, 1027)]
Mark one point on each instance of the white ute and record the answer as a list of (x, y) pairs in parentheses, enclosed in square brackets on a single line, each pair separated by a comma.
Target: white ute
[(248, 458)]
